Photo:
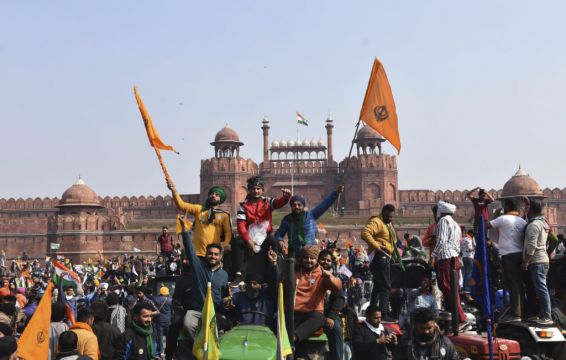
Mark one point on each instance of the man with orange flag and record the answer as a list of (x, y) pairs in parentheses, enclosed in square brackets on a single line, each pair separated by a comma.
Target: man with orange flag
[(378, 110), (34, 342)]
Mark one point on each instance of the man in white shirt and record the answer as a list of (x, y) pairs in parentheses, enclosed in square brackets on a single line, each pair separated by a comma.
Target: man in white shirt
[(445, 254), (510, 229)]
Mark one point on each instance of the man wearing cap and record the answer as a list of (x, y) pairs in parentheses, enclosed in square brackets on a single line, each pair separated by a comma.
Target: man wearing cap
[(446, 252), (312, 283), (254, 225), (300, 225), (162, 321), (212, 225)]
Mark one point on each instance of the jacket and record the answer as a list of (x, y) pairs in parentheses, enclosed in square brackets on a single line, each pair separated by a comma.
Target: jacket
[(106, 335), (165, 306), (131, 346), (412, 350), (379, 235), (309, 226), (72, 355), (251, 212), (365, 346), (536, 235), (87, 343), (311, 288)]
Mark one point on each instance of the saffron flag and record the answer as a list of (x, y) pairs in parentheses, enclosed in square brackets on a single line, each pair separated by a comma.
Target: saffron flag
[(301, 120), (65, 275), (378, 109), (153, 136), (206, 342), (34, 342), (481, 286), (283, 344)]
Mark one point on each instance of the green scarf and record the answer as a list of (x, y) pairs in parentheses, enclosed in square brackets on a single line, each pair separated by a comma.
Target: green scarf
[(393, 239), (148, 333), (297, 228)]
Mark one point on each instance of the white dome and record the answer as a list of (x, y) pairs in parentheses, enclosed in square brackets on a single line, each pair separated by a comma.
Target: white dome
[(320, 143), (291, 142), (283, 143), (306, 143), (275, 143)]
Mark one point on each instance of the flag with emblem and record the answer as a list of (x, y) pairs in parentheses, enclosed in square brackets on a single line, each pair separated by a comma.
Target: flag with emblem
[(283, 344), (206, 342), (34, 341), (378, 109), (301, 120)]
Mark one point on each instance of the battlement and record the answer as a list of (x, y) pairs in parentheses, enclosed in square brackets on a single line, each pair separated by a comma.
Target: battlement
[(228, 164)]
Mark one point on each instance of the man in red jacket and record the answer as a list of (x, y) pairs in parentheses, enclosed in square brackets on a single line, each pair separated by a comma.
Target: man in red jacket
[(254, 229)]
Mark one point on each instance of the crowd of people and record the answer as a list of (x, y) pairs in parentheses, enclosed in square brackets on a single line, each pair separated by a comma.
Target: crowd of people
[(117, 308)]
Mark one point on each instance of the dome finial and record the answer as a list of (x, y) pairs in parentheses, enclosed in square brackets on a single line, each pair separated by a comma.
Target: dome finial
[(520, 172)]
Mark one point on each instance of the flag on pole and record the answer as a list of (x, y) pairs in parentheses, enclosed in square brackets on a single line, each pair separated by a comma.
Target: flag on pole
[(283, 344), (206, 342), (378, 109), (481, 282), (34, 342), (66, 276), (301, 119), (153, 136)]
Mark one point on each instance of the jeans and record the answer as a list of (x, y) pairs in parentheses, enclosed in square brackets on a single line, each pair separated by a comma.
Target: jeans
[(307, 324), (159, 330), (243, 261), (335, 340), (381, 270), (467, 273), (538, 272)]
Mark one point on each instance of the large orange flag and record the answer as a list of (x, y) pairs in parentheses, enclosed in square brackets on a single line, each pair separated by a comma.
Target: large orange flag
[(378, 110), (34, 342), (153, 136)]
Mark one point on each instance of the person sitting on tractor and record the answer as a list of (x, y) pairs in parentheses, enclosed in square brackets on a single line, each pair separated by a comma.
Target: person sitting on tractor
[(312, 283), (255, 305)]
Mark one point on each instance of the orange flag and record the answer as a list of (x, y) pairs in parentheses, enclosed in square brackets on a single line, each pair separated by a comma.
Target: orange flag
[(378, 110), (34, 342), (153, 136)]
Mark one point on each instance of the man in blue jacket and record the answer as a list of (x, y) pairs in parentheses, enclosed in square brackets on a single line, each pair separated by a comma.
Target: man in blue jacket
[(300, 225)]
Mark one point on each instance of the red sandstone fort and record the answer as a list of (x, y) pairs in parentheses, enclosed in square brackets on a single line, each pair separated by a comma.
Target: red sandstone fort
[(82, 224)]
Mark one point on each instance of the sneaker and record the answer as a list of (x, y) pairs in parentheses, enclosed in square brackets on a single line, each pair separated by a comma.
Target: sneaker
[(545, 322), (533, 319), (509, 319)]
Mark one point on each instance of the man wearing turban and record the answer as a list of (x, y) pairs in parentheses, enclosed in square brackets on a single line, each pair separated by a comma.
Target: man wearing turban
[(212, 225), (446, 252), (300, 225)]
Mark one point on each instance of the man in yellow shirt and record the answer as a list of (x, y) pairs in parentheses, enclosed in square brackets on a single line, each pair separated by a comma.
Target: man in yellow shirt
[(212, 225), (381, 239)]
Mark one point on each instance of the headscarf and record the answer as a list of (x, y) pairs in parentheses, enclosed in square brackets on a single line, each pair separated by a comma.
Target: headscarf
[(446, 208), (220, 191)]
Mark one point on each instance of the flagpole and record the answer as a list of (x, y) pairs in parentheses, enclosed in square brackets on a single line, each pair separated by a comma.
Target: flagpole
[(343, 175)]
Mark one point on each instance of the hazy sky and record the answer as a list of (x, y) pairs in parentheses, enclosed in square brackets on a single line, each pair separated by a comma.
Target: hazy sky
[(479, 86)]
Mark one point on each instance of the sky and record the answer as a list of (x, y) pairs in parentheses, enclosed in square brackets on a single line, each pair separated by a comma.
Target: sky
[(479, 87)]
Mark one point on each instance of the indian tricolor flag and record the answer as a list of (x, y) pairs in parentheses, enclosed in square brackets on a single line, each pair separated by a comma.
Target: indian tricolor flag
[(65, 275), (301, 119)]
